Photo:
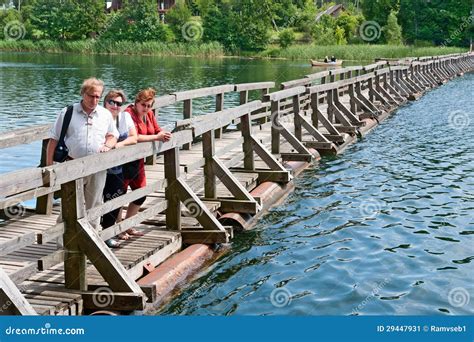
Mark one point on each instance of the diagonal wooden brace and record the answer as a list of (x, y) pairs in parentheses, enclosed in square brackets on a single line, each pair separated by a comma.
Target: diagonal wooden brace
[(104, 260)]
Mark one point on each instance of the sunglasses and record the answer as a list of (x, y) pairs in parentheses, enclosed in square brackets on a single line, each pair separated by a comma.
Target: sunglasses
[(115, 103), (146, 105)]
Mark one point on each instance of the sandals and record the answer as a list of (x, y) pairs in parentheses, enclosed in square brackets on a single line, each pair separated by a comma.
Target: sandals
[(123, 236), (134, 232), (111, 243)]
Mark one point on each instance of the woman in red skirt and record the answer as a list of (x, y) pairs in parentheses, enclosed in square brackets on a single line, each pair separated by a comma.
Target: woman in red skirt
[(148, 130)]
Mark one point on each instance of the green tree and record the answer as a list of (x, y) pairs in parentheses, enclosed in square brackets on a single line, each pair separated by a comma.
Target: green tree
[(286, 38), (393, 31), (340, 36), (11, 26), (239, 24), (67, 19), (444, 22), (138, 21), (177, 18), (378, 10)]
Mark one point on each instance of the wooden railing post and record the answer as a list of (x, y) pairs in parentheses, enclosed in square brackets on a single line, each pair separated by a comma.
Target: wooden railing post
[(247, 146), (73, 209), (208, 152), (244, 97), (187, 114), (275, 110), (314, 109), (173, 210), (44, 204), (219, 107), (297, 118)]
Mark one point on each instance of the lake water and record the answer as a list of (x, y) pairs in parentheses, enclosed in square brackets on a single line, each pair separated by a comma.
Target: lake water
[(385, 228)]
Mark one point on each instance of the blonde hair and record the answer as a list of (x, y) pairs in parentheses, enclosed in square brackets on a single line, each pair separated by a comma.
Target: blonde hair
[(91, 84), (145, 95), (114, 93)]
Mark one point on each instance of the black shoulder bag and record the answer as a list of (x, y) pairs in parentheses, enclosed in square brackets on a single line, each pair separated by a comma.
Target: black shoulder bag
[(61, 152), (131, 169)]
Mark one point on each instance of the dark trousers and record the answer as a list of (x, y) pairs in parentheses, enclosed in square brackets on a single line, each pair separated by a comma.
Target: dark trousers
[(114, 188)]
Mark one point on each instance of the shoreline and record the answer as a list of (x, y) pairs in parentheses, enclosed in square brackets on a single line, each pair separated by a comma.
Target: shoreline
[(299, 52)]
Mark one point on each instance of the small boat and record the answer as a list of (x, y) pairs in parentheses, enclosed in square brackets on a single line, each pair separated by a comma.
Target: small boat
[(324, 64)]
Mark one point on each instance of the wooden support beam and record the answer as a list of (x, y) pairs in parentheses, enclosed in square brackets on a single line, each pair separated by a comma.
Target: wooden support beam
[(208, 151), (219, 107), (266, 156), (297, 157), (187, 114), (268, 175), (173, 211), (238, 206), (195, 205), (13, 302), (275, 130), (204, 236), (72, 210), (247, 145), (44, 204), (230, 182), (328, 125), (109, 267), (294, 142), (317, 145), (118, 301)]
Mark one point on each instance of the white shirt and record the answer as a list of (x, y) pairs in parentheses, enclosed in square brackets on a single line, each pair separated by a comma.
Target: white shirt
[(86, 133), (125, 123)]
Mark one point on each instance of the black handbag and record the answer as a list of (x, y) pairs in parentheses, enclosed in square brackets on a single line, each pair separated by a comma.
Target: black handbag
[(61, 152)]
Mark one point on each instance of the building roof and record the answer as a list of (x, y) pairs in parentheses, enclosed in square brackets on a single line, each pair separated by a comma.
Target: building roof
[(332, 11)]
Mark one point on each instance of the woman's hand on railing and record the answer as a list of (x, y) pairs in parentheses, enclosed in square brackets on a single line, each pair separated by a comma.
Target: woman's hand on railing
[(105, 148), (163, 136)]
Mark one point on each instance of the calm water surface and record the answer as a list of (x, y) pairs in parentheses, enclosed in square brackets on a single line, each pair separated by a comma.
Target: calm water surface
[(385, 228)]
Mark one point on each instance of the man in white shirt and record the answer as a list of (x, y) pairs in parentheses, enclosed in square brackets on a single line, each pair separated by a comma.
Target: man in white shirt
[(91, 130)]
